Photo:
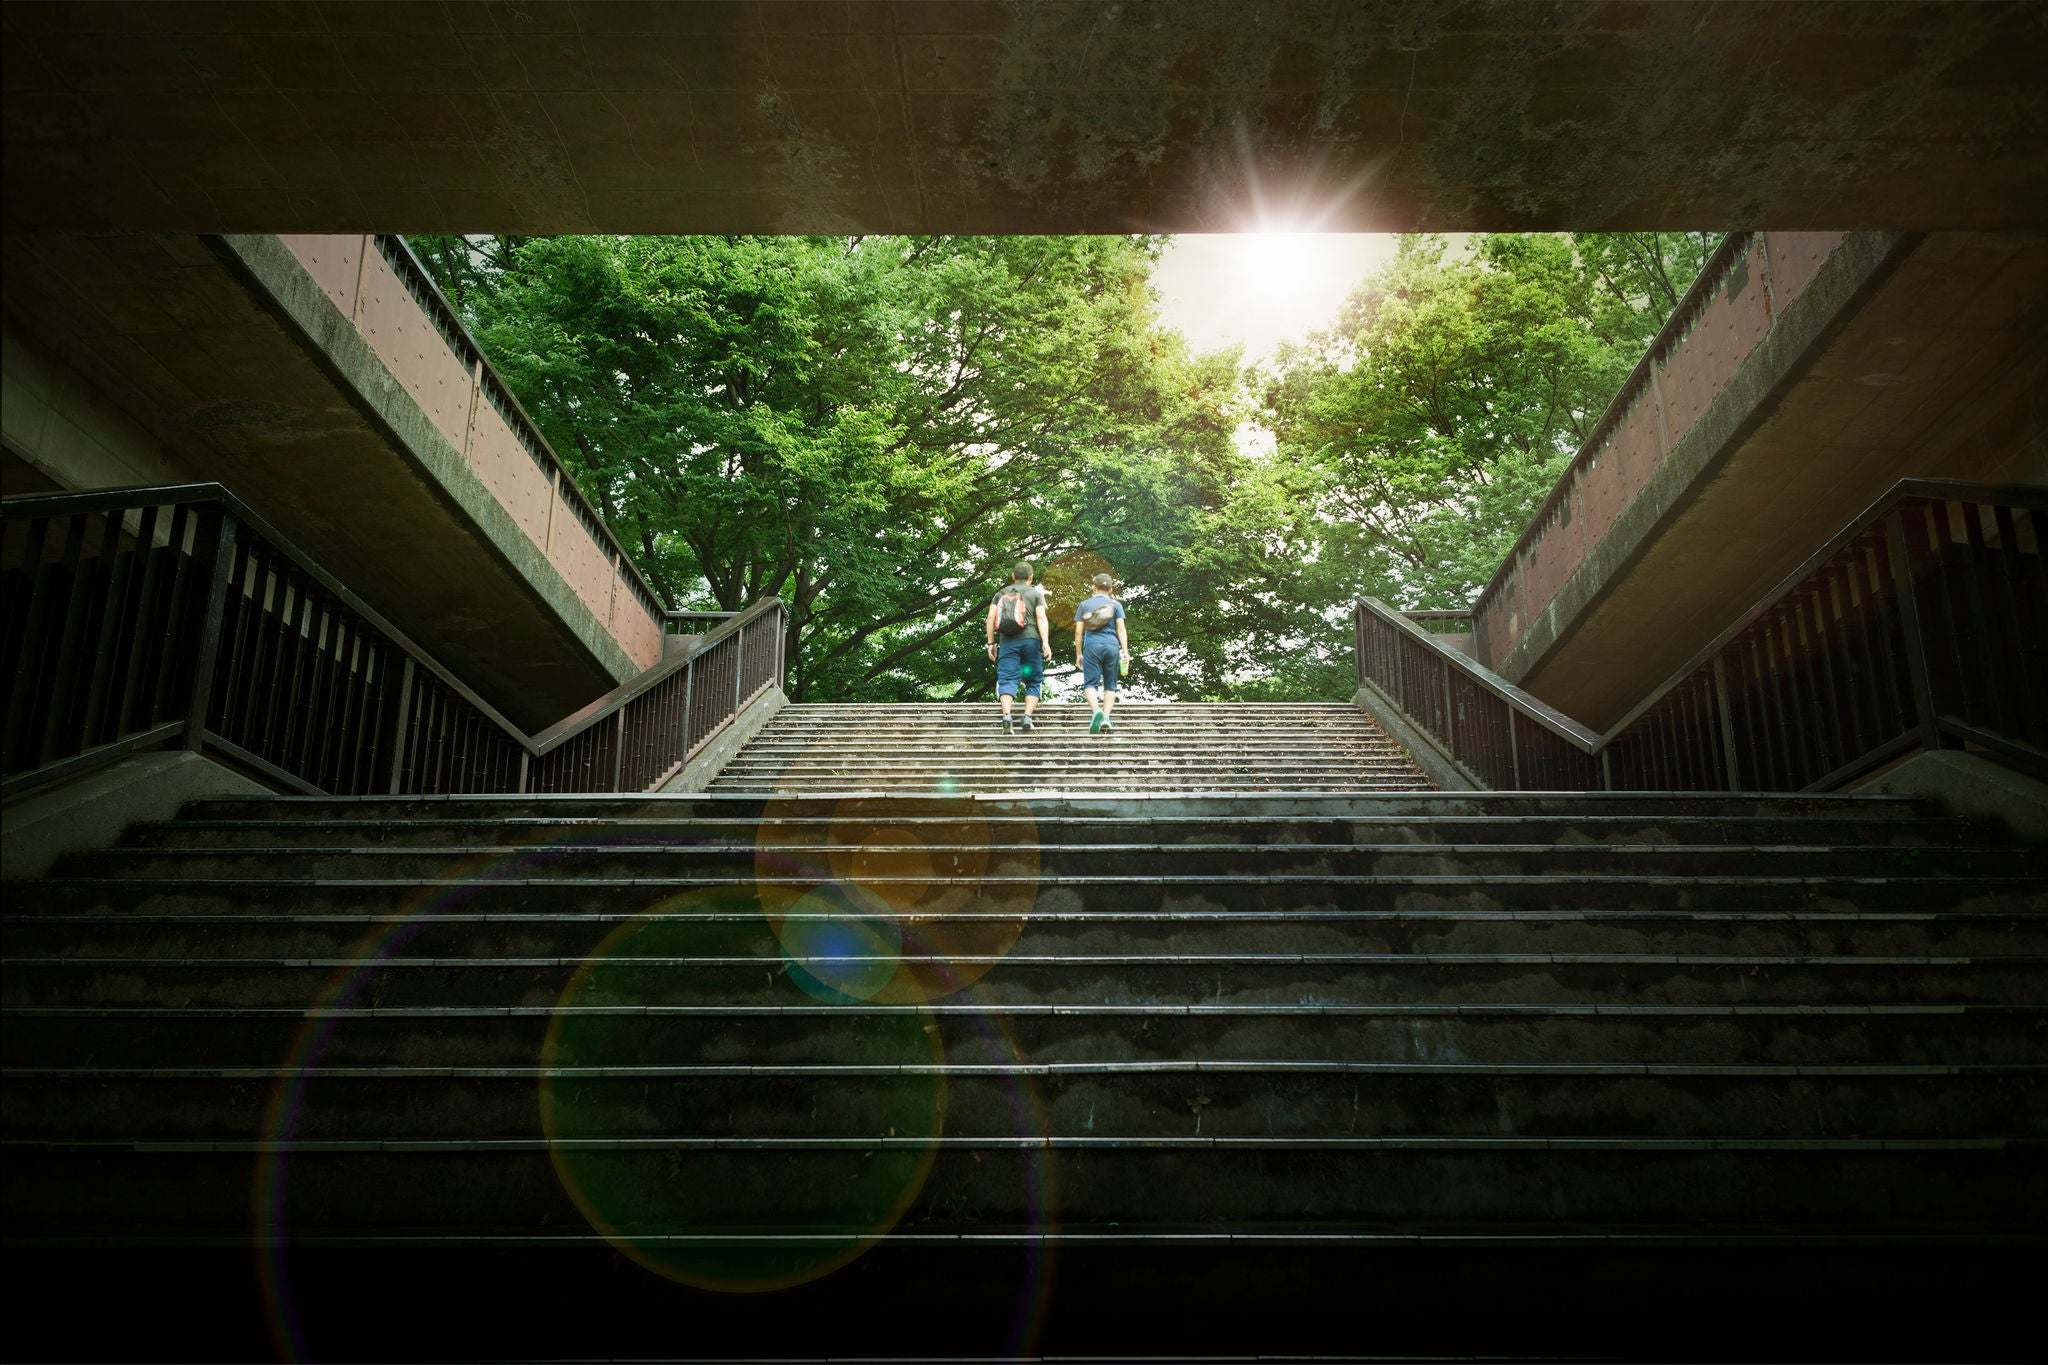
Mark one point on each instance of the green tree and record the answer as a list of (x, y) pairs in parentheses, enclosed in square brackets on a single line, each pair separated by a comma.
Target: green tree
[(873, 428)]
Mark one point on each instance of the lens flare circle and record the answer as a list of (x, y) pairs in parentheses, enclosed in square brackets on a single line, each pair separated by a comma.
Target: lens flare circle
[(946, 888), (1068, 581), (734, 1176)]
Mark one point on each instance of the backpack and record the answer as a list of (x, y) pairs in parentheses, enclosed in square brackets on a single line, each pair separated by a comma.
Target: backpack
[(1100, 617), (1014, 614)]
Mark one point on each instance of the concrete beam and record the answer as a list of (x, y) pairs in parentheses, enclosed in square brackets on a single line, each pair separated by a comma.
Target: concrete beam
[(1007, 116)]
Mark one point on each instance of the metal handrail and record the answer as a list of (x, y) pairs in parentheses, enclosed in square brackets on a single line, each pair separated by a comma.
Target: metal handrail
[(192, 494), (1586, 740), (1952, 490), (580, 720), (244, 571), (453, 329), (1703, 672)]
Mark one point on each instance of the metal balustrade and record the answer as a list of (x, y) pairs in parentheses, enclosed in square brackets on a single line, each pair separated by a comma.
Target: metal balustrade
[(176, 618), (1924, 624)]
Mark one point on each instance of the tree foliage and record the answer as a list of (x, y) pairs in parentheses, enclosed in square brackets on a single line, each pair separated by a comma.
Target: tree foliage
[(875, 428), (1427, 424)]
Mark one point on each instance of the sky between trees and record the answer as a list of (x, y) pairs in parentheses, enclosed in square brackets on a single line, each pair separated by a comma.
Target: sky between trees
[(876, 428)]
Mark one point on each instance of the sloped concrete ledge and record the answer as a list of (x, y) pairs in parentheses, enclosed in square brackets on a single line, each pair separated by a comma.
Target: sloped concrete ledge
[(697, 774), (1969, 785), (95, 809), (1434, 760), (1795, 341), (338, 348)]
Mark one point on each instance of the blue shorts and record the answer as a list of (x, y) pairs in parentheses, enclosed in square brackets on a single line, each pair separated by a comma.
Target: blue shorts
[(1021, 658), (1099, 656)]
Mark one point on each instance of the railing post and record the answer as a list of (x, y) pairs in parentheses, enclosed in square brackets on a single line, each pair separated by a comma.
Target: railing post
[(207, 654), (689, 699), (1727, 720), (1358, 641), (476, 389), (739, 666), (355, 305), (1450, 715), (547, 545), (1514, 753), (400, 715), (619, 751), (1902, 565)]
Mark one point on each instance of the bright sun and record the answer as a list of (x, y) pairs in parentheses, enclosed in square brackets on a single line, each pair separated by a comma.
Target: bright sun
[(1286, 265), (1259, 289)]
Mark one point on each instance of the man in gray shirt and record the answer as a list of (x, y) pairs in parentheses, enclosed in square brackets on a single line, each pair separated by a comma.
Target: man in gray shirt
[(1017, 633)]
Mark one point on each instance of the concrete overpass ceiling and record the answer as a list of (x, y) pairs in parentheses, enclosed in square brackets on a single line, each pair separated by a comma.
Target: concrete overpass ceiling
[(1008, 115)]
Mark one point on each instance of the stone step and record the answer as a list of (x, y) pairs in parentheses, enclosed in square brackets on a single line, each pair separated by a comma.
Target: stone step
[(1022, 896), (1220, 1098), (1833, 830), (1063, 786), (1239, 1014), (466, 932), (813, 1032), (1039, 745), (1419, 807), (1445, 1184), (885, 855), (763, 979)]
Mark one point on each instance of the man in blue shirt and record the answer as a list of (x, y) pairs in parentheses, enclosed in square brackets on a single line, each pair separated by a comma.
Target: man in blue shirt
[(1099, 649)]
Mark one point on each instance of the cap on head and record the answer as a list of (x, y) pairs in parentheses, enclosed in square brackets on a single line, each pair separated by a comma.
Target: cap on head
[(1103, 582), (1023, 572)]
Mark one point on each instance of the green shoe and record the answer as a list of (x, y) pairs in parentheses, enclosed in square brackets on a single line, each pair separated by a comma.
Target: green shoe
[(1108, 724), (1095, 726)]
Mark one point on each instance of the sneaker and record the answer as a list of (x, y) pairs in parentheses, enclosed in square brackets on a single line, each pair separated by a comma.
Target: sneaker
[(1095, 726), (1007, 727), (1029, 726), (1108, 724)]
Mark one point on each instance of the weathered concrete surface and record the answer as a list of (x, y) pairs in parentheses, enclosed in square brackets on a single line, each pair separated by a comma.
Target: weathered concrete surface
[(63, 433), (237, 363), (94, 809), (1002, 115), (1905, 356), (697, 773), (1970, 785)]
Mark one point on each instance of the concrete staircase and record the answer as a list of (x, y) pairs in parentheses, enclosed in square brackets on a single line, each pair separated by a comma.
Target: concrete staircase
[(1222, 1044), (1155, 746)]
